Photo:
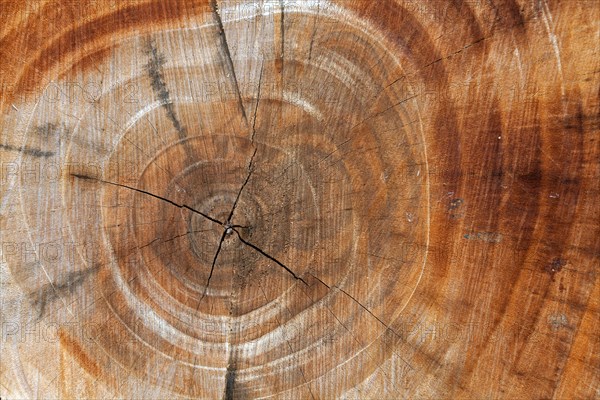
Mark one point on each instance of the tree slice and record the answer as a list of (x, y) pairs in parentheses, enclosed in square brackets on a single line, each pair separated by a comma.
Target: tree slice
[(300, 199)]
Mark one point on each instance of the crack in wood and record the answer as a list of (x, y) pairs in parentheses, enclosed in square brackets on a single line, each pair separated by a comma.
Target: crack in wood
[(250, 170), (225, 47), (208, 217), (384, 111), (267, 255), (257, 101), (229, 227), (281, 26), (312, 38), (455, 52), (212, 267), (185, 234), (348, 330), (170, 239), (306, 382), (149, 243), (357, 302)]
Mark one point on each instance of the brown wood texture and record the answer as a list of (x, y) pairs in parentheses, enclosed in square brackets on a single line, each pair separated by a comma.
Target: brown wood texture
[(300, 199)]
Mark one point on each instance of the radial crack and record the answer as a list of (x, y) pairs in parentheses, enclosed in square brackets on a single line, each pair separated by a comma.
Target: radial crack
[(225, 46), (356, 301), (383, 111), (288, 342), (148, 244), (212, 267), (276, 261), (250, 170), (257, 101), (208, 217), (312, 38), (282, 28), (186, 233)]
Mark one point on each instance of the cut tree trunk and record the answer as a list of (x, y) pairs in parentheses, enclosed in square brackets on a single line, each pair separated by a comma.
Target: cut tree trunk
[(300, 199)]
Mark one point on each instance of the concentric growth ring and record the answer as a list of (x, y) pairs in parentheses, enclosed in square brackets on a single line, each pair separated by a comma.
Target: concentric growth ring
[(258, 227)]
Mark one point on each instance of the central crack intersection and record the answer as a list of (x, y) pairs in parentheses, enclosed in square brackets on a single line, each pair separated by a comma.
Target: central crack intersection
[(228, 226)]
